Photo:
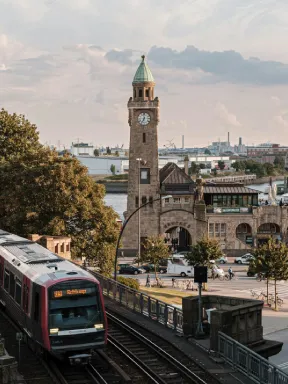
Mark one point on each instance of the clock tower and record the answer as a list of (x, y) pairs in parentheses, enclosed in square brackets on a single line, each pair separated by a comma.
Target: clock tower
[(143, 180)]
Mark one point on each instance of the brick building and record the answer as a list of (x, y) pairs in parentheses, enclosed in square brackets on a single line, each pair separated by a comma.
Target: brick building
[(61, 245)]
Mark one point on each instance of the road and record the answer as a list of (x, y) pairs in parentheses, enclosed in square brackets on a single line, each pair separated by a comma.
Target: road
[(282, 358)]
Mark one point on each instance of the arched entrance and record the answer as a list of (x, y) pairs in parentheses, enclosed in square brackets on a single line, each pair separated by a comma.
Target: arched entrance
[(178, 239), (267, 230), (244, 233)]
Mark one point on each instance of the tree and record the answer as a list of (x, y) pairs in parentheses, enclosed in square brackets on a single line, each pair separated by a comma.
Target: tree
[(221, 164), (51, 195), (272, 259), (269, 169), (117, 153), (155, 249), (17, 136), (279, 162), (202, 166), (113, 169), (214, 170), (207, 152), (108, 151), (194, 168), (96, 152), (203, 252)]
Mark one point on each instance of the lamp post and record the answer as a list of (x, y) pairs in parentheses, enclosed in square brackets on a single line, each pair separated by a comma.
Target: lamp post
[(124, 226), (139, 193)]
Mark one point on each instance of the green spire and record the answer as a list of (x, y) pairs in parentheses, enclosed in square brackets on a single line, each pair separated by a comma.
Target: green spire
[(143, 73)]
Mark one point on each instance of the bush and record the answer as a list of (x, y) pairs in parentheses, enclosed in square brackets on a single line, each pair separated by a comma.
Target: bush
[(131, 283)]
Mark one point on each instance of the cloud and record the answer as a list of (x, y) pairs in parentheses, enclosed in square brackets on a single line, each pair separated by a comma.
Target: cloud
[(281, 120), (227, 117), (225, 66)]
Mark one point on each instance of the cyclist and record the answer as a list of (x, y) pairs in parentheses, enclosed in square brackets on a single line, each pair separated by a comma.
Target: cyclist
[(231, 274)]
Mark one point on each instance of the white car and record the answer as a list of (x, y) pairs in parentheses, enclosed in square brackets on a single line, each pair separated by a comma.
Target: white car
[(245, 259), (222, 260)]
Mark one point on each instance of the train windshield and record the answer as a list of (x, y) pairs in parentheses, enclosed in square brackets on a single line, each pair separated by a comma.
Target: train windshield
[(74, 307)]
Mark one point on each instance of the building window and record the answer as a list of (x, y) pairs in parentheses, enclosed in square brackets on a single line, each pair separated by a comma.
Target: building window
[(176, 200), (56, 248), (217, 230), (151, 200), (67, 247), (187, 200), (134, 93), (140, 94), (145, 176), (136, 202), (62, 247), (167, 200), (144, 137), (147, 92), (144, 200)]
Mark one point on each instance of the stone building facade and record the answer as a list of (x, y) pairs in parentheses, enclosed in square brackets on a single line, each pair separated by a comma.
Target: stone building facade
[(61, 245), (180, 209)]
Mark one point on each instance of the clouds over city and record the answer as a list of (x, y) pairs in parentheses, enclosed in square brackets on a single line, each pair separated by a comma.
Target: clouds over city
[(69, 64)]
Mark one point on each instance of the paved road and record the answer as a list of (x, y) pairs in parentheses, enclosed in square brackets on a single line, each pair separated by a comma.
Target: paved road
[(282, 358)]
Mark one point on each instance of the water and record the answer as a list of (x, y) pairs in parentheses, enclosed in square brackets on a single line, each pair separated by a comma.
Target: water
[(118, 201)]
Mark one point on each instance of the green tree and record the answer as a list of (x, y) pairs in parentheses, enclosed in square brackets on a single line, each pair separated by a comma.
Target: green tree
[(271, 259), (214, 171), (52, 195), (113, 169), (221, 164), (17, 136), (155, 249), (194, 168), (117, 153), (108, 150), (269, 169), (279, 162), (203, 252), (96, 152), (207, 152), (202, 166)]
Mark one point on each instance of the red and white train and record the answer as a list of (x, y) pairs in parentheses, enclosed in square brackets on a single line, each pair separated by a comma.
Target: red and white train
[(57, 304)]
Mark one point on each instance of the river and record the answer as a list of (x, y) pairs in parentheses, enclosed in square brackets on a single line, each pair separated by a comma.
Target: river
[(119, 200)]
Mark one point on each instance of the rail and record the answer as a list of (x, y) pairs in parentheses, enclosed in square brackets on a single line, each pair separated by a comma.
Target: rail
[(163, 313), (256, 367)]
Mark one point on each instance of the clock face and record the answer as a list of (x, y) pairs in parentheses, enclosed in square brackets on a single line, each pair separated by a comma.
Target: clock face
[(144, 118)]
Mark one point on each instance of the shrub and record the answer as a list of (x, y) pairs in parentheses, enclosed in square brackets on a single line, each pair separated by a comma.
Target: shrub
[(131, 283)]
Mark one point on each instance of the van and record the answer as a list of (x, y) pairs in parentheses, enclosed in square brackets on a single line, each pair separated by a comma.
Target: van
[(180, 269)]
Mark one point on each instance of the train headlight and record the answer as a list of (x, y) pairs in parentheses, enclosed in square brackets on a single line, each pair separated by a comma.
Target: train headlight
[(98, 326), (53, 331)]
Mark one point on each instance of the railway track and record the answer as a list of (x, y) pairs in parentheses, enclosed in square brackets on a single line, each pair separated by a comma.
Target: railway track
[(165, 362)]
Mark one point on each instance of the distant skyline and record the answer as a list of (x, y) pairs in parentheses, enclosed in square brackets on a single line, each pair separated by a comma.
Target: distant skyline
[(219, 66)]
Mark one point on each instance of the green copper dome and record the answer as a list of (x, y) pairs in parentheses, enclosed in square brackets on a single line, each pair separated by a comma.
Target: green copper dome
[(143, 73)]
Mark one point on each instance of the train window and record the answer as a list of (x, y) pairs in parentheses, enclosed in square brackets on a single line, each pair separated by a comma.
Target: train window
[(36, 307), (6, 280), (27, 300), (12, 284), (18, 290), (1, 274)]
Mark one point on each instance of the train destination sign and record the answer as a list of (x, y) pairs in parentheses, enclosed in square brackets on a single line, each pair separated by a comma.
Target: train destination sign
[(72, 292)]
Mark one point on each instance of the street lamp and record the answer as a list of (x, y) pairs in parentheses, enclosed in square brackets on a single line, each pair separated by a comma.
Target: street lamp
[(124, 226), (139, 193)]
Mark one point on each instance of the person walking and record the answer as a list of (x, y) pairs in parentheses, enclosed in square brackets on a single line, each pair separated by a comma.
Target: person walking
[(230, 273), (148, 281), (173, 282)]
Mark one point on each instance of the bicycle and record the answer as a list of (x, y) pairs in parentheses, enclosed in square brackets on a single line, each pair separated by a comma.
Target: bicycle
[(253, 293), (260, 276), (227, 276), (271, 301)]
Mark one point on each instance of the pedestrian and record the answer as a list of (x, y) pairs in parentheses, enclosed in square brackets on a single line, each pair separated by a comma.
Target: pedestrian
[(230, 273), (281, 203), (173, 282), (213, 273), (148, 281)]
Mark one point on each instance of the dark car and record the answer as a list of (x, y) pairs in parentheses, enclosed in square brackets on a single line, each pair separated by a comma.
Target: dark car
[(130, 270), (151, 268), (251, 271)]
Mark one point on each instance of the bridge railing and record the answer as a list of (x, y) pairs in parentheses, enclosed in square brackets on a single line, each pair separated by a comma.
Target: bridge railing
[(248, 362), (157, 310)]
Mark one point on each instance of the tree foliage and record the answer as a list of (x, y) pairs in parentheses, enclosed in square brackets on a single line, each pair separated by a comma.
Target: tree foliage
[(203, 252), (96, 152), (271, 259), (261, 170), (194, 168), (18, 136), (44, 193), (108, 150), (113, 169), (221, 164), (207, 152), (155, 249), (279, 162)]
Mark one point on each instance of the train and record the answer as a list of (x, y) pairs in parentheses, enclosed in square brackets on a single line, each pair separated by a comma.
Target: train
[(58, 305)]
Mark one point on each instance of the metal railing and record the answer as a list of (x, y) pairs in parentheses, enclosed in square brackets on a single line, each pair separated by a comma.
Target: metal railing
[(163, 313), (248, 362)]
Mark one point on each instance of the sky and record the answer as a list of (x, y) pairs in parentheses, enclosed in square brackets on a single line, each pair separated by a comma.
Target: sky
[(219, 66)]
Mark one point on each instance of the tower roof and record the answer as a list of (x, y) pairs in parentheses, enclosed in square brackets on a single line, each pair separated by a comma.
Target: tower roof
[(143, 73)]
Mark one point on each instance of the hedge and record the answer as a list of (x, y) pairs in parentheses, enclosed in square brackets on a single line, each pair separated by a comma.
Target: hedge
[(131, 283)]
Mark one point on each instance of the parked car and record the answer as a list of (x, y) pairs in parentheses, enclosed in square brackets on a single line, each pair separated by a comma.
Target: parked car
[(245, 259), (151, 268), (222, 260), (130, 270)]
